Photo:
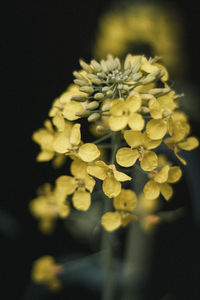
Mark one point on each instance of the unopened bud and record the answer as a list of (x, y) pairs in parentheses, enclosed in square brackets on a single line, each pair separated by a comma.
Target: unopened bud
[(80, 82), (79, 98), (86, 89), (105, 107), (92, 105), (85, 66), (146, 96), (104, 66), (144, 109), (82, 113), (159, 91), (78, 75), (109, 93), (94, 79), (96, 65), (136, 64), (98, 96), (93, 117)]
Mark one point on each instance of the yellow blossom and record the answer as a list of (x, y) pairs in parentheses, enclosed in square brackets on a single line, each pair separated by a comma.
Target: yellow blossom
[(44, 271), (160, 182), (80, 185), (124, 205), (46, 207), (180, 140), (124, 112), (161, 109), (44, 137), (140, 145), (65, 108), (69, 143), (111, 177)]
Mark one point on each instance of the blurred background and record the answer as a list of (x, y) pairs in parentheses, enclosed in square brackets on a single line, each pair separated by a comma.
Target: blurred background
[(41, 45)]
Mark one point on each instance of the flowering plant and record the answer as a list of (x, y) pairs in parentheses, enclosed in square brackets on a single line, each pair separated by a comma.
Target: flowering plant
[(133, 113)]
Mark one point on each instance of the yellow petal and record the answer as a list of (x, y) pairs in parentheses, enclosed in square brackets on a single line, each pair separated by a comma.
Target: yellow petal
[(133, 138), (97, 172), (78, 168), (166, 190), (167, 101), (75, 136), (61, 143), (180, 130), (117, 123), (63, 210), (133, 102), (165, 77), (151, 190), (156, 129), (150, 144), (45, 156), (111, 187), (126, 157), (89, 183), (149, 161), (136, 121), (111, 221), (155, 109), (59, 122), (174, 175), (88, 152), (119, 176), (67, 184), (162, 175), (70, 110), (189, 144), (117, 107), (125, 201), (81, 200)]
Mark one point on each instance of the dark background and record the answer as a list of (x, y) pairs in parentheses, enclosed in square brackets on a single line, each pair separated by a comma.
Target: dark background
[(41, 44)]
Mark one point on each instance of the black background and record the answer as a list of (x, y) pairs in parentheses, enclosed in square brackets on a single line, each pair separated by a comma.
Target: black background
[(41, 44)]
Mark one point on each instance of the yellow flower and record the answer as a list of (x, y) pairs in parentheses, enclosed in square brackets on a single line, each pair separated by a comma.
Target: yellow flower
[(65, 108), (161, 110), (124, 204), (44, 137), (111, 177), (44, 271), (69, 142), (47, 207), (180, 140), (140, 149), (160, 182), (124, 112), (81, 185)]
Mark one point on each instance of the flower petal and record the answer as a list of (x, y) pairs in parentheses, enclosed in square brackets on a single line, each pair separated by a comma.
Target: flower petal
[(133, 102), (66, 184), (89, 183), (133, 138), (125, 201), (155, 109), (117, 123), (151, 190), (111, 187), (149, 161), (61, 143), (126, 157), (119, 176), (166, 190), (81, 200), (162, 175), (97, 172), (70, 110), (136, 122), (88, 152), (190, 144), (75, 136), (174, 175), (156, 129), (45, 156), (150, 144), (111, 220), (78, 168)]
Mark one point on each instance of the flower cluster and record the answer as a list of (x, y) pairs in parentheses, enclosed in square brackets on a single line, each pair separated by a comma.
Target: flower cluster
[(133, 105)]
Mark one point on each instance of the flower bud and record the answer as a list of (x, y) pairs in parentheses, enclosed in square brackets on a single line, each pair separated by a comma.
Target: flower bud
[(105, 107), (85, 66), (87, 89), (93, 117), (83, 113), (92, 105)]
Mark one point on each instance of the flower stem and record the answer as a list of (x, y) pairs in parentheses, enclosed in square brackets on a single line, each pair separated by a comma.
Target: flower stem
[(108, 262), (103, 138)]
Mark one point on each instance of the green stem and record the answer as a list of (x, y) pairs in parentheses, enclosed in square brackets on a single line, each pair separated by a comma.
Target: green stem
[(108, 263), (103, 138)]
